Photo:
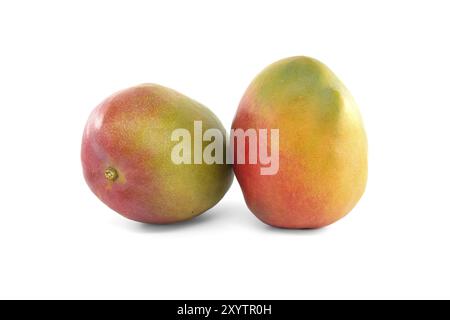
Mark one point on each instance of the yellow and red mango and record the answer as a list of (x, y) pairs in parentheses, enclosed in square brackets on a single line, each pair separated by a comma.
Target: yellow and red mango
[(322, 145), (126, 156)]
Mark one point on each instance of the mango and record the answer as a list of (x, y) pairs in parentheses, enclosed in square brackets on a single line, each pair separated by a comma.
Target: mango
[(322, 145), (127, 160)]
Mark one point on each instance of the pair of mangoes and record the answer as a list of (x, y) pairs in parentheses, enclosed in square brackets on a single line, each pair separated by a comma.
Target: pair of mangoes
[(131, 138)]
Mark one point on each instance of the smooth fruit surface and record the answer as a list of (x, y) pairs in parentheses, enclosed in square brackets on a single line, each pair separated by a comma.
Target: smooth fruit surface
[(322, 145), (126, 156)]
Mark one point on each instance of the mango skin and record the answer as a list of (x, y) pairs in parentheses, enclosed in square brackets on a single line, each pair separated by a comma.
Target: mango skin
[(322, 145), (131, 132)]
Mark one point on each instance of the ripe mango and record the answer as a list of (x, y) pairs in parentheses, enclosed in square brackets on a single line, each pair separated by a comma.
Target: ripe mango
[(322, 145), (126, 156)]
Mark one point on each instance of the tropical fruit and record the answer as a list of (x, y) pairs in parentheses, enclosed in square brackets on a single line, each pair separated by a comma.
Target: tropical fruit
[(322, 168), (127, 156)]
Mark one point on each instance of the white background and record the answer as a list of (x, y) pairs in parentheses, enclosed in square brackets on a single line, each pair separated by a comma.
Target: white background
[(59, 59)]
